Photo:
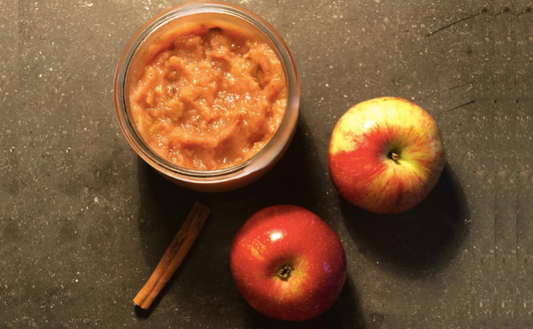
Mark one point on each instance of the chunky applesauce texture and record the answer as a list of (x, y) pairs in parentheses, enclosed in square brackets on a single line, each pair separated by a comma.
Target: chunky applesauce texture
[(209, 97)]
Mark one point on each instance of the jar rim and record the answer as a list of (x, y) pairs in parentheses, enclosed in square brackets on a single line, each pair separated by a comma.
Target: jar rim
[(189, 9)]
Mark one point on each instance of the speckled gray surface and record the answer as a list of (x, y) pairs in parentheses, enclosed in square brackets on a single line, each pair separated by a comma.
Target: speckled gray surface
[(84, 221)]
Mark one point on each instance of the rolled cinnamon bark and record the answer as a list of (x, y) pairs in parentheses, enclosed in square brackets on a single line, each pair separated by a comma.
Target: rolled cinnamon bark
[(176, 252)]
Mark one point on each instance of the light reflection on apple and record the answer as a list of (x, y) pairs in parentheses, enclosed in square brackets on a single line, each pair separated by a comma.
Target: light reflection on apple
[(275, 236), (369, 124)]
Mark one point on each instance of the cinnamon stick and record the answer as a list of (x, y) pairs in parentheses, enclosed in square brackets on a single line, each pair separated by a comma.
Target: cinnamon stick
[(174, 255)]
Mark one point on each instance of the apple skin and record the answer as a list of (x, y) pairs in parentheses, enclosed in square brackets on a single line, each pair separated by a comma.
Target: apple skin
[(288, 235), (360, 155)]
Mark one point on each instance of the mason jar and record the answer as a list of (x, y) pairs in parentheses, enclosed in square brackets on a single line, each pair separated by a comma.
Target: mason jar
[(237, 175)]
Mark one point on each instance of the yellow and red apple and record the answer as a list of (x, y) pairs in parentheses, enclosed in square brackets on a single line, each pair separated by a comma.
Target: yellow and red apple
[(385, 155)]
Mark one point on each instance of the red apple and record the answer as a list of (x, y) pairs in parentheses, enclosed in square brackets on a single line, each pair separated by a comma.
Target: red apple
[(288, 263), (385, 155)]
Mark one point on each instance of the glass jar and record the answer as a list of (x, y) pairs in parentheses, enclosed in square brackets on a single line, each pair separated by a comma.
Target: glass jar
[(244, 172)]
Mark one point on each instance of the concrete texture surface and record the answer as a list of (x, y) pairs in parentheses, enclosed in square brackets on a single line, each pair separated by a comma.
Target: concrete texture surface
[(84, 221)]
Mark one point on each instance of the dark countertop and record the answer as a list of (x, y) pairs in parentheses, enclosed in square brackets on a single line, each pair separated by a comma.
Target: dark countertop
[(84, 221)]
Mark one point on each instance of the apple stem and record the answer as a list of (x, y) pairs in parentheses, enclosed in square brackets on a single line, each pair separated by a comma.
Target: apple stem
[(394, 156), (284, 272)]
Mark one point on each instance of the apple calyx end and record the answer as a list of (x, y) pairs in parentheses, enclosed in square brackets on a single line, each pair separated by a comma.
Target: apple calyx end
[(284, 273), (394, 156)]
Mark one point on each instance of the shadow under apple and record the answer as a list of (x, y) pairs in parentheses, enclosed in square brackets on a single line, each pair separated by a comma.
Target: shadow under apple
[(418, 241), (346, 312)]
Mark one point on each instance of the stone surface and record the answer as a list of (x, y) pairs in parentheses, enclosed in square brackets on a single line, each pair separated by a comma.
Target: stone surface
[(84, 221)]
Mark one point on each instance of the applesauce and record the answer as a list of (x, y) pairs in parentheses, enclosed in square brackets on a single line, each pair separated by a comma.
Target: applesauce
[(209, 96)]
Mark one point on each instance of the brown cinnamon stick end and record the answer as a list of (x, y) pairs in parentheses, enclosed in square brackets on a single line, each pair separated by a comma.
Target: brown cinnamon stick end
[(203, 211)]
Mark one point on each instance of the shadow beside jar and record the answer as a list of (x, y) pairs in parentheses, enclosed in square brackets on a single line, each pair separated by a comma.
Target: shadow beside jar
[(205, 276)]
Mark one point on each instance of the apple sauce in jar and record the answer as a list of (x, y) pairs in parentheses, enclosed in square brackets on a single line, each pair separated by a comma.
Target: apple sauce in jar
[(208, 97)]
